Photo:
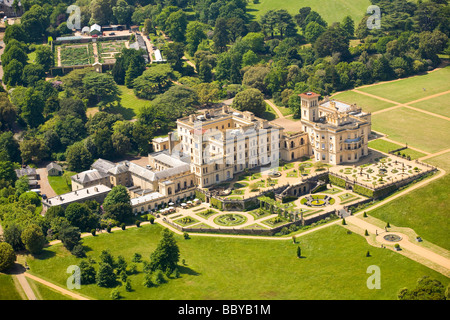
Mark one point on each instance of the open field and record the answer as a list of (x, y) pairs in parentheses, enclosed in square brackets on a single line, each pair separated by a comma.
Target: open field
[(438, 105), (8, 289), (129, 105), (229, 268), (331, 11), (415, 128), (387, 146), (368, 104), (425, 210), (383, 145), (413, 88), (440, 161)]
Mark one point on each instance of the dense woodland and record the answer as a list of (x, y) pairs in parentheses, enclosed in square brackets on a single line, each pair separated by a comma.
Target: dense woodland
[(277, 56)]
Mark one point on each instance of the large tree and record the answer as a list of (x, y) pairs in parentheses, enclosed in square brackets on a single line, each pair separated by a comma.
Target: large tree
[(195, 33), (33, 238), (250, 100), (80, 216), (176, 25), (44, 57), (35, 21), (78, 157), (166, 255), (7, 256), (100, 89), (153, 81), (333, 40)]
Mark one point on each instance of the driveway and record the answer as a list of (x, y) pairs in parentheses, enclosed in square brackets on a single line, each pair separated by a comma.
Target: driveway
[(44, 184)]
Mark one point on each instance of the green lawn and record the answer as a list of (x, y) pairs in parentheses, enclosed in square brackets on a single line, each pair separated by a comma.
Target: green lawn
[(8, 290), (438, 105), (368, 104), (43, 292), (413, 88), (383, 145), (129, 105), (386, 146), (415, 128), (269, 114), (425, 210), (61, 184), (442, 161), (412, 153), (330, 10), (334, 267)]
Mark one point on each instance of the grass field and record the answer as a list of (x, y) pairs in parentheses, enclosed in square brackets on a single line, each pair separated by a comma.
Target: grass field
[(438, 105), (425, 210), (368, 104), (415, 128), (129, 105), (330, 10), (441, 161), (61, 184), (383, 145), (8, 289), (387, 146), (334, 267), (411, 89)]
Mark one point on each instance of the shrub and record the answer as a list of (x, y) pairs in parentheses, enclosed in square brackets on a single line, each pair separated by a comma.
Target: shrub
[(108, 229), (148, 280), (123, 226), (93, 232), (368, 254), (159, 278), (115, 294), (151, 218), (343, 222), (128, 287), (137, 257), (7, 256), (186, 235), (78, 251), (138, 223), (366, 233)]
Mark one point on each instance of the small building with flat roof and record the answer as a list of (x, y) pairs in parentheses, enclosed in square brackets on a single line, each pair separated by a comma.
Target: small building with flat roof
[(97, 193)]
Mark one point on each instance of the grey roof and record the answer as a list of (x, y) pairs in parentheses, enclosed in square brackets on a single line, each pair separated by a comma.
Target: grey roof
[(168, 160), (26, 172), (141, 172), (120, 168), (103, 165), (148, 197), (78, 195), (53, 165), (89, 176), (340, 106)]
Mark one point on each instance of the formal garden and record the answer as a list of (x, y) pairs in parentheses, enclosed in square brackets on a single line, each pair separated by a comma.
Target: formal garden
[(74, 54)]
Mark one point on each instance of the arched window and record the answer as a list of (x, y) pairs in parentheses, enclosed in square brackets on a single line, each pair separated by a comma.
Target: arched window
[(169, 190), (292, 144), (302, 141)]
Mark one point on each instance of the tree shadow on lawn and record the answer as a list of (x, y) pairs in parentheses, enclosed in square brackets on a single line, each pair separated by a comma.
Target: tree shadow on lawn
[(127, 113), (44, 255), (188, 271)]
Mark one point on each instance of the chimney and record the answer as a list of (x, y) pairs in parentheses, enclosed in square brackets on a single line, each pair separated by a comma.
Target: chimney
[(170, 143)]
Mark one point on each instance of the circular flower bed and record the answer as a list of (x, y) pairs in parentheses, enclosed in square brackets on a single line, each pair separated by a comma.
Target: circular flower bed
[(230, 220)]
